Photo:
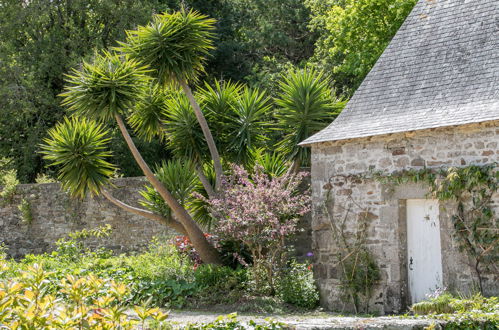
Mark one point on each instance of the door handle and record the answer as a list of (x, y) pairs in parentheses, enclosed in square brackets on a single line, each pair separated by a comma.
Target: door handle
[(410, 263)]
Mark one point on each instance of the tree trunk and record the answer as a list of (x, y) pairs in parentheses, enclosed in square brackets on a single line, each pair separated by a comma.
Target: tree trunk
[(207, 133), (205, 182), (145, 213), (206, 251)]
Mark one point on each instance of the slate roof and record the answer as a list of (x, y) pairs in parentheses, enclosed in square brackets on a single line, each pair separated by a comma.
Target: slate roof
[(440, 69)]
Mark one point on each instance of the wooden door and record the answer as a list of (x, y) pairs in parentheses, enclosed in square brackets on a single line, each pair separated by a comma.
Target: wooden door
[(423, 248)]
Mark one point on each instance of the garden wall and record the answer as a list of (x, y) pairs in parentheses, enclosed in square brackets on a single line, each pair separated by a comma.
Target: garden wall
[(55, 215), (333, 163)]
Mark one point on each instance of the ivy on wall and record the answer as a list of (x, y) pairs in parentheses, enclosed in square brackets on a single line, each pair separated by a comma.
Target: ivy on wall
[(474, 220)]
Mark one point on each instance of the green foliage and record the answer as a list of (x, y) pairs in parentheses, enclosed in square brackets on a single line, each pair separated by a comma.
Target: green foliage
[(174, 45), (179, 177), (73, 248), (184, 135), (219, 285), (353, 34), (79, 148), (247, 124), (9, 183), (44, 178), (475, 312), (297, 286), (28, 304), (39, 42), (26, 213), (149, 113), (360, 275), (104, 88), (305, 106), (230, 322), (273, 164)]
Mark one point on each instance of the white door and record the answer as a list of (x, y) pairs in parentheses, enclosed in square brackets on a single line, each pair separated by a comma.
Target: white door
[(423, 248)]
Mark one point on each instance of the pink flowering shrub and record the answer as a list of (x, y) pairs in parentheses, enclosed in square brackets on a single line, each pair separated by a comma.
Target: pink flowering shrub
[(261, 212)]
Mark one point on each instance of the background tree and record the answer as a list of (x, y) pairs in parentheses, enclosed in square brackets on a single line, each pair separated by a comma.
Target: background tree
[(39, 42), (353, 34)]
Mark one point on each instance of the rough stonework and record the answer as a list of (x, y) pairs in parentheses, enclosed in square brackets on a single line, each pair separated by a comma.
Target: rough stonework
[(55, 215), (332, 162)]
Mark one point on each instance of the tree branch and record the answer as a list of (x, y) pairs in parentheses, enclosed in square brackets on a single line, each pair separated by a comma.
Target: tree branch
[(177, 226)]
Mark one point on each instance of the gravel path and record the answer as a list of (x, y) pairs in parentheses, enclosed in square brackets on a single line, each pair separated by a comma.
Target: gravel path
[(317, 321)]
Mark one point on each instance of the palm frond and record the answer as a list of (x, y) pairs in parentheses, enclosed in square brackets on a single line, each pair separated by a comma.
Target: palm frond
[(106, 87), (184, 135), (149, 113), (78, 147), (180, 178), (175, 45), (305, 106)]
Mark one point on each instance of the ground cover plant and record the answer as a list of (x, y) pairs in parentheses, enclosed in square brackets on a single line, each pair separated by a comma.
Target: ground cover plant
[(459, 312), (160, 277)]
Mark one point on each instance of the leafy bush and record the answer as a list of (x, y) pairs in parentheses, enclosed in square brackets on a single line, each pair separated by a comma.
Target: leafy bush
[(219, 285), (9, 181), (297, 286), (260, 212), (476, 312), (446, 303), (230, 322), (89, 302)]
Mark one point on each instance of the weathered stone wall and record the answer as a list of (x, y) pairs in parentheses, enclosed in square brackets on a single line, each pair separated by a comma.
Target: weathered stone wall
[(334, 162), (55, 215)]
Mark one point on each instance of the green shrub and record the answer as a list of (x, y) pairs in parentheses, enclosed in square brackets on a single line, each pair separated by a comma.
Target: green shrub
[(9, 182), (476, 312), (218, 284), (89, 302), (297, 286), (230, 322), (447, 304)]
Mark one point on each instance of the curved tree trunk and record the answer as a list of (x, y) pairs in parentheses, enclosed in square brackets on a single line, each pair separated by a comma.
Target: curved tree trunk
[(206, 251), (207, 133), (145, 213)]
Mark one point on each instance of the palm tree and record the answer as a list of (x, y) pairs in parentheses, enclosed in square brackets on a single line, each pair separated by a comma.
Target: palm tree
[(305, 106), (107, 89), (175, 46)]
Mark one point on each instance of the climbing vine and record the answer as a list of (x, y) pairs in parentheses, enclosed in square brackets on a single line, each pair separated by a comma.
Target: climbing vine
[(473, 218), (359, 271)]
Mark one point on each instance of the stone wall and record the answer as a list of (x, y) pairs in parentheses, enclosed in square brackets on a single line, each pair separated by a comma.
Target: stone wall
[(334, 162), (55, 215)]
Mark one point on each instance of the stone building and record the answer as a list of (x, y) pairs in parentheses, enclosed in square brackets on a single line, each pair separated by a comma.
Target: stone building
[(431, 101)]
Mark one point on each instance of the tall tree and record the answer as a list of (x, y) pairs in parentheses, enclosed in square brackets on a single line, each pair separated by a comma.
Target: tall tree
[(353, 34), (172, 49), (40, 41)]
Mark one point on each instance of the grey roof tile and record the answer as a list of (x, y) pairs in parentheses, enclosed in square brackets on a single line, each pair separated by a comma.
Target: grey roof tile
[(441, 69)]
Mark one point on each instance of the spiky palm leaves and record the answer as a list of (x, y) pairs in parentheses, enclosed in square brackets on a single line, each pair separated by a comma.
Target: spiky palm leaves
[(174, 45), (104, 88), (184, 135), (305, 106), (79, 147), (180, 177)]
